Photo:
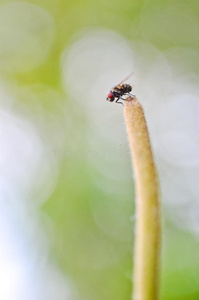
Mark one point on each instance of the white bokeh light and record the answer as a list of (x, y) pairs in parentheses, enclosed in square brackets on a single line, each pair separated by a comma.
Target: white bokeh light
[(26, 36), (177, 132), (98, 60), (25, 168)]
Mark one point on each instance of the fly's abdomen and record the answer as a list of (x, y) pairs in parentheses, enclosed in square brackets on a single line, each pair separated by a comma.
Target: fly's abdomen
[(127, 88)]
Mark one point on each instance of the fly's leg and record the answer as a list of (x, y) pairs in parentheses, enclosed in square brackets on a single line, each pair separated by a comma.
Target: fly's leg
[(120, 98), (131, 95), (119, 102), (126, 99)]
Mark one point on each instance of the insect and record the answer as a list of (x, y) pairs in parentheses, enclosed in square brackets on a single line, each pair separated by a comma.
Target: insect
[(120, 90)]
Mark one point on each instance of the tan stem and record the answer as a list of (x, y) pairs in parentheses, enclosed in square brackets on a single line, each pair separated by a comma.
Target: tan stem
[(147, 231)]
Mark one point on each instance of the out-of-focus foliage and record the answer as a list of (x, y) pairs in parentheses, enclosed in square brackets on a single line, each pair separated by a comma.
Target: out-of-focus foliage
[(66, 181)]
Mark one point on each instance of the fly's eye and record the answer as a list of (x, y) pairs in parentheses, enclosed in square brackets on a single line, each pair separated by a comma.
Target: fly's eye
[(110, 95)]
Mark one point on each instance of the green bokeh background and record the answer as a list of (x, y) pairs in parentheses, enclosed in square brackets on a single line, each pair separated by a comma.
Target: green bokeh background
[(98, 265)]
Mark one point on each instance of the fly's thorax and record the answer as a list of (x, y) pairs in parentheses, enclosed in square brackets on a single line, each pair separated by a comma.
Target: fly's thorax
[(118, 93)]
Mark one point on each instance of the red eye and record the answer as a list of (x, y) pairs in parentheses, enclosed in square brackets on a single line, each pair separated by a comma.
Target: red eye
[(110, 95)]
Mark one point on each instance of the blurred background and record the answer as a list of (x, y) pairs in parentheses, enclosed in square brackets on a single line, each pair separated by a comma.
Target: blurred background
[(67, 195)]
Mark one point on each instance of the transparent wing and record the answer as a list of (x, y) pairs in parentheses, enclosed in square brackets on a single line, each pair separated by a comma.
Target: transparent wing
[(126, 78)]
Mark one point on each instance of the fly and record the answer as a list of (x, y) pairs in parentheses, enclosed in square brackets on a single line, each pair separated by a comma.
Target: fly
[(120, 90)]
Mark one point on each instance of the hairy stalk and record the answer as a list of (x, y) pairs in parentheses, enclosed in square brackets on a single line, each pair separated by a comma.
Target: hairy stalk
[(148, 228)]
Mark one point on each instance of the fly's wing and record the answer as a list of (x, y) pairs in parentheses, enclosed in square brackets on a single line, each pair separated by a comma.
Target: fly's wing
[(126, 78)]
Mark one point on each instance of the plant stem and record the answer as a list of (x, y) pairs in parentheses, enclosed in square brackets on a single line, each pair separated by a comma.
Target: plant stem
[(148, 228)]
